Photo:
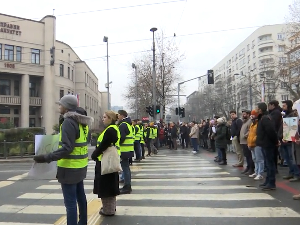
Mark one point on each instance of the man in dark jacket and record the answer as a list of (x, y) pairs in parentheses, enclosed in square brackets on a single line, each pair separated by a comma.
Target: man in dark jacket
[(235, 130), (286, 147), (275, 114), (184, 135), (267, 139), (124, 126), (71, 168)]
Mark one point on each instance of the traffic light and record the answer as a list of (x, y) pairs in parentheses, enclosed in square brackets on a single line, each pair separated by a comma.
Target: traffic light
[(182, 112), (176, 110), (149, 110), (210, 77), (52, 55), (157, 109)]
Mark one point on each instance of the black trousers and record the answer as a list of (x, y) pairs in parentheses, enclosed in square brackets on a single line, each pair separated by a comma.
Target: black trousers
[(143, 149), (248, 155)]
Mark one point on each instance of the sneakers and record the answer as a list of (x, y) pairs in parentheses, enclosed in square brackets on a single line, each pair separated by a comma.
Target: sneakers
[(253, 175), (259, 177), (194, 152)]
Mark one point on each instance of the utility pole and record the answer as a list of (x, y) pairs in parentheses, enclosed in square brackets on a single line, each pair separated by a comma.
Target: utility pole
[(105, 39), (136, 91), (153, 77)]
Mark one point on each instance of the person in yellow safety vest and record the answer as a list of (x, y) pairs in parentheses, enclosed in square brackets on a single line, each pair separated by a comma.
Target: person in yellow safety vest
[(137, 139), (155, 131), (72, 158), (107, 186), (142, 140), (147, 133), (152, 137), (127, 149)]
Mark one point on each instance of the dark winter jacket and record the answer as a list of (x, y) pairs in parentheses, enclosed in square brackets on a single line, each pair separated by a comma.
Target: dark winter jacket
[(236, 126), (275, 114), (266, 133), (69, 133), (124, 132), (220, 136)]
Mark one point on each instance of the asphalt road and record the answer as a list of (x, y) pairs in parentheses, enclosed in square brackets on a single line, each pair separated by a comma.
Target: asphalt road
[(174, 187)]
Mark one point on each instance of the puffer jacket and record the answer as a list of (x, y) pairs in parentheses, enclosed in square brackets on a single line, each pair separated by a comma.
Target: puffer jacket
[(251, 140)]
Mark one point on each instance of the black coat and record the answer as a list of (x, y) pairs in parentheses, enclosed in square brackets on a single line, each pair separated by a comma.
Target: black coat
[(105, 185), (266, 135), (220, 137)]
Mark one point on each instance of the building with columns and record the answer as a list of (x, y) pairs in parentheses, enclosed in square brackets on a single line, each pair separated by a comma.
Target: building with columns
[(36, 70)]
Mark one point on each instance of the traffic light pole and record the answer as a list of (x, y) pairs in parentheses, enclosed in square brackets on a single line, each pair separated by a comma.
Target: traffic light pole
[(178, 92), (153, 77)]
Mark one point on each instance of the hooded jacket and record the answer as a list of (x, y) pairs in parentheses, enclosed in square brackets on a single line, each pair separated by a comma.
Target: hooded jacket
[(69, 133)]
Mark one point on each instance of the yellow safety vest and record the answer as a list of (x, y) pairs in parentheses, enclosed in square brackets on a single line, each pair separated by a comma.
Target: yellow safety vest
[(117, 144), (128, 144), (137, 136), (142, 135), (79, 156), (151, 133), (155, 132)]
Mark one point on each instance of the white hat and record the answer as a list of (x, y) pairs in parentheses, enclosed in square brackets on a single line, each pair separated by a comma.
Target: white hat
[(220, 120)]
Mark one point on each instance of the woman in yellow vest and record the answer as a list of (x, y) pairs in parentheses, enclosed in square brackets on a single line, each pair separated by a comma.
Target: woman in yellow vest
[(107, 186)]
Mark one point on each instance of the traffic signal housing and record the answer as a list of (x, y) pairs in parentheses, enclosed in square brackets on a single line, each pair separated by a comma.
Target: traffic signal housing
[(182, 112), (176, 111), (149, 110), (157, 109), (210, 77)]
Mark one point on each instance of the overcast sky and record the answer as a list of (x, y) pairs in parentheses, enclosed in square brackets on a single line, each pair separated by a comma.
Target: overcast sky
[(84, 31)]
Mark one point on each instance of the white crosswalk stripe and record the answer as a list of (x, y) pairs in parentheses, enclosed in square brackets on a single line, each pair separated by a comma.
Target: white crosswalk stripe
[(159, 186)]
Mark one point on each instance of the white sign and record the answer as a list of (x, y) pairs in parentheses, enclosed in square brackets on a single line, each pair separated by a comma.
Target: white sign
[(44, 144)]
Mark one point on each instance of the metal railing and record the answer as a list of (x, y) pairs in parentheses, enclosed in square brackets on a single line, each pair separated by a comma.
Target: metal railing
[(16, 149)]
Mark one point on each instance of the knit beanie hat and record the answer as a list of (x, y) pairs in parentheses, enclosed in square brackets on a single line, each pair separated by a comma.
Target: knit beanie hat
[(69, 102), (220, 120), (254, 113), (262, 106)]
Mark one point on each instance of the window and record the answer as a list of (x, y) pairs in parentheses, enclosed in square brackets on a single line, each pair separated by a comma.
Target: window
[(35, 56), (248, 47), (242, 52), (254, 65), (284, 97), (284, 85), (32, 111), (61, 70), (69, 72), (61, 93), (281, 48), (16, 121), (9, 52), (282, 59), (253, 54), (19, 54), (16, 111), (72, 75), (0, 51), (16, 88), (33, 89), (4, 87), (280, 36), (248, 58), (5, 110), (31, 122)]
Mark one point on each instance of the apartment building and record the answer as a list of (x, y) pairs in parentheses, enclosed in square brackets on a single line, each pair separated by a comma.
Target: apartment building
[(36, 70), (249, 73)]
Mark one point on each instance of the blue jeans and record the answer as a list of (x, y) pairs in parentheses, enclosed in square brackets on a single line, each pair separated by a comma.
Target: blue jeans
[(195, 144), (258, 159), (271, 170), (220, 156), (288, 153), (73, 194), (126, 171)]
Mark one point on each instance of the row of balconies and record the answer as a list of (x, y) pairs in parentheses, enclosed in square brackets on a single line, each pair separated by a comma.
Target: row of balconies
[(16, 100)]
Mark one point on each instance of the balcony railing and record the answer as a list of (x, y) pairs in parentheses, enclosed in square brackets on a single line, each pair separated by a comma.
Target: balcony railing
[(10, 100), (35, 101)]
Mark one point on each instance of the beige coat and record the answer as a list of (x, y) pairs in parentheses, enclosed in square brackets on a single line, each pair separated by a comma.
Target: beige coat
[(194, 132), (245, 131)]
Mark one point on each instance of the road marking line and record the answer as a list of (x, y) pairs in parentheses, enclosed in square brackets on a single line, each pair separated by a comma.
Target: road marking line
[(197, 197), (179, 174), (5, 183), (171, 162), (185, 169), (203, 187), (49, 196), (18, 177), (201, 212), (13, 223), (176, 166)]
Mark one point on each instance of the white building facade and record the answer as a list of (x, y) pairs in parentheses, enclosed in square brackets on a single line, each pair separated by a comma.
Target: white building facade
[(249, 72), (36, 70)]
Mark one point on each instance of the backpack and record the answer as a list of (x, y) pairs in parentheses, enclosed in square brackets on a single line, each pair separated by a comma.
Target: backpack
[(228, 133)]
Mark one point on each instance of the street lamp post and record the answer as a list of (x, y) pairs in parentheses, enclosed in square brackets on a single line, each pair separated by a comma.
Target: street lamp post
[(105, 39), (136, 90), (250, 87), (153, 77)]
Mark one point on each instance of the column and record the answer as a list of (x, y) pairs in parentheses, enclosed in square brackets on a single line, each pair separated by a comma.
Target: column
[(25, 101)]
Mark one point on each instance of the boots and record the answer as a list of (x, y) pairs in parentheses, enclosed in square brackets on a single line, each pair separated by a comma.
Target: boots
[(126, 190), (223, 162)]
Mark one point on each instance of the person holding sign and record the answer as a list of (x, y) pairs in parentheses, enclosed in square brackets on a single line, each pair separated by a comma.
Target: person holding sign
[(72, 158)]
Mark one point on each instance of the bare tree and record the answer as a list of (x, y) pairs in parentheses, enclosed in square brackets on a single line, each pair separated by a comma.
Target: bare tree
[(167, 59)]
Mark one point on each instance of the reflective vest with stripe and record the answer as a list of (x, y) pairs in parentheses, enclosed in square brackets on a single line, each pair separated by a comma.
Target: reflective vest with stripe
[(151, 133), (127, 145), (155, 132), (79, 156), (117, 144), (142, 133), (137, 132)]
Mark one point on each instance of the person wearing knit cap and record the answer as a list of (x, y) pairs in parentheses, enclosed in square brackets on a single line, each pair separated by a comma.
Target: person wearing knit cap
[(256, 151), (267, 139)]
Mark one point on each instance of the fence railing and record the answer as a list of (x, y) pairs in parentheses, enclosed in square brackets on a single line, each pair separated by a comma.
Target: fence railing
[(16, 149)]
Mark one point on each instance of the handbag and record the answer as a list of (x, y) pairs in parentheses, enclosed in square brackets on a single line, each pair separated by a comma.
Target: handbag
[(110, 162)]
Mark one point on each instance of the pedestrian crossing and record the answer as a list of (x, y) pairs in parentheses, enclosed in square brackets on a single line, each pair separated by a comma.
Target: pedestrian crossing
[(181, 188)]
